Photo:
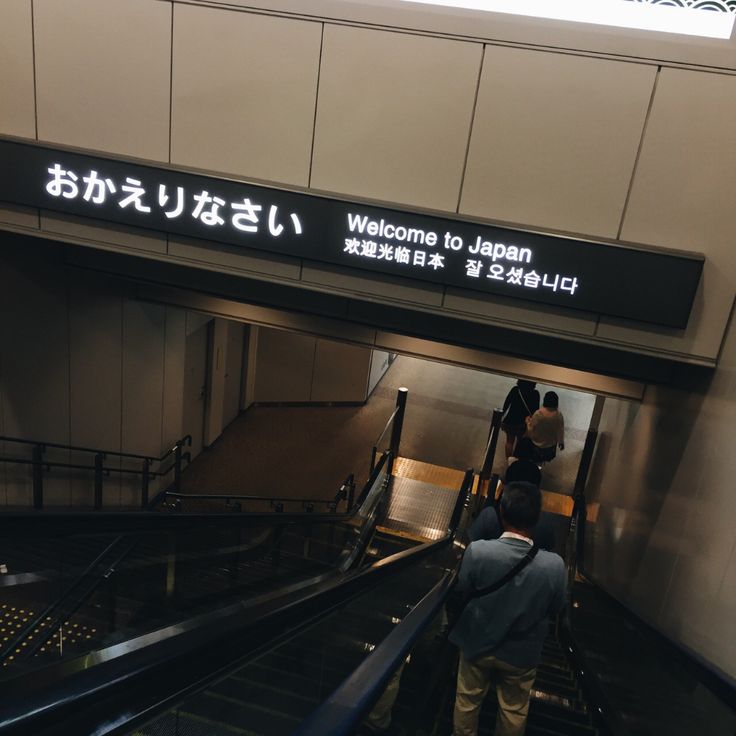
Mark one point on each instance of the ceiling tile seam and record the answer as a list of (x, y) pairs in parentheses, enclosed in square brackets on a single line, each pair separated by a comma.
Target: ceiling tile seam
[(33, 55), (470, 129), (634, 169), (316, 107)]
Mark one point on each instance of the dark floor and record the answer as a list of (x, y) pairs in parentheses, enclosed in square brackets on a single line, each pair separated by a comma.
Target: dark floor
[(298, 451)]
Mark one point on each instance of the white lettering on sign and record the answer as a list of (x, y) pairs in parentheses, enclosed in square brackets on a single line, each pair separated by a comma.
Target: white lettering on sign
[(500, 251), (382, 229), (203, 206), (490, 259)]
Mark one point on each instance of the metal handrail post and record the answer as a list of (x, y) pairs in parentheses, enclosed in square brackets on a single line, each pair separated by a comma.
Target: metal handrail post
[(99, 459), (581, 506), (145, 479), (401, 396), (487, 467), (351, 492), (38, 476), (177, 467)]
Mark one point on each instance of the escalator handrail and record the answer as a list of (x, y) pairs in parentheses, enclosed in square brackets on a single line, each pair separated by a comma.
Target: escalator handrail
[(44, 692), (47, 693), (86, 576), (24, 524), (351, 701), (50, 610), (347, 706)]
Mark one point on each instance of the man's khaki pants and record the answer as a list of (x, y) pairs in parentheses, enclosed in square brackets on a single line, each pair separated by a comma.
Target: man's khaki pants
[(513, 686)]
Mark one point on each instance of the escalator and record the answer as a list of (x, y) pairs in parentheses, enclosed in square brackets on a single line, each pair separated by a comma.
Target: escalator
[(80, 583), (262, 625)]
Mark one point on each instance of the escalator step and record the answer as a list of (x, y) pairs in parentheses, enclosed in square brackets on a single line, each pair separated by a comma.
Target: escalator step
[(266, 695), (194, 724), (225, 712)]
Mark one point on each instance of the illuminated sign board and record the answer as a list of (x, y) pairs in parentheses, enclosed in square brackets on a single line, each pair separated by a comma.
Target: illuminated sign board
[(603, 278)]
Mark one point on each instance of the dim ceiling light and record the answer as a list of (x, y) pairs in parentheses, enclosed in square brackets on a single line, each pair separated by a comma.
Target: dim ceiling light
[(622, 13)]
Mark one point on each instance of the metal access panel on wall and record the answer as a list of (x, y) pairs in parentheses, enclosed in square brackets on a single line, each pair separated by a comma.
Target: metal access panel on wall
[(642, 284)]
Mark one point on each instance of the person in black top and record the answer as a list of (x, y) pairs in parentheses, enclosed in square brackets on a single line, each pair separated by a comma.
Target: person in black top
[(521, 402), (523, 468)]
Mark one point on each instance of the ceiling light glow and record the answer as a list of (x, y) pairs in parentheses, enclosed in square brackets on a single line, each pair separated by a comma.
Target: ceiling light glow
[(620, 13)]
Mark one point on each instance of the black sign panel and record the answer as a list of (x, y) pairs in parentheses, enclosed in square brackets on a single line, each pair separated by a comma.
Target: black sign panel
[(644, 285)]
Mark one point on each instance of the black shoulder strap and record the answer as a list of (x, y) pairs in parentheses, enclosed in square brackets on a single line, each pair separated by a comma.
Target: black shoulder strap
[(515, 570), (523, 401)]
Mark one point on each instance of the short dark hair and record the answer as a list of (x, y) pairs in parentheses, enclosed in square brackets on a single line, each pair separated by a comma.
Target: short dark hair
[(521, 505), (551, 400)]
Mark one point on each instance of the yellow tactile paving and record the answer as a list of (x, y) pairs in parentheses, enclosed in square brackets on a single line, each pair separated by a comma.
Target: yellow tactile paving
[(437, 475)]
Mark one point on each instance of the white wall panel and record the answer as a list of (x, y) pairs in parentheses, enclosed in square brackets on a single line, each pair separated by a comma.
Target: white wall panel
[(95, 332), (233, 371), (143, 370), (340, 372), (663, 542), (142, 388), (393, 115), (379, 365), (103, 75), (174, 353), (244, 90), (35, 378), (216, 369), (681, 198), (17, 105), (554, 140), (284, 366)]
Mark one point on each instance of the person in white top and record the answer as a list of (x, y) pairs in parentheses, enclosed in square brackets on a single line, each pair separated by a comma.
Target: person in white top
[(546, 428)]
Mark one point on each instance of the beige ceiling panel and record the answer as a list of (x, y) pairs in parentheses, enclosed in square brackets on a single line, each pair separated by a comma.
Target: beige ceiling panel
[(244, 93), (21, 216), (232, 257), (17, 106), (507, 27), (101, 232), (103, 75), (393, 116), (682, 198), (354, 281), (519, 312), (554, 139)]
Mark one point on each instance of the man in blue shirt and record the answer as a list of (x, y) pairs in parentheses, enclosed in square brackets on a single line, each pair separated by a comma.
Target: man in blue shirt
[(500, 634)]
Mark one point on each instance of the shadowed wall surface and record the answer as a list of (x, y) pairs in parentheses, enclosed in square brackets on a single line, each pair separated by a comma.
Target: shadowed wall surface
[(664, 541)]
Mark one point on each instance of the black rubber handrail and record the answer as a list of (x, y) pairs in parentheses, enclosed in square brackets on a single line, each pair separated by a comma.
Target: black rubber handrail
[(350, 702), (25, 524), (89, 687), (347, 706), (91, 584), (186, 440), (123, 685), (74, 466)]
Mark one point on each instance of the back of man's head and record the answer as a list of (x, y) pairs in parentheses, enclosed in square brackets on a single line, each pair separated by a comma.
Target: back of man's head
[(521, 505)]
